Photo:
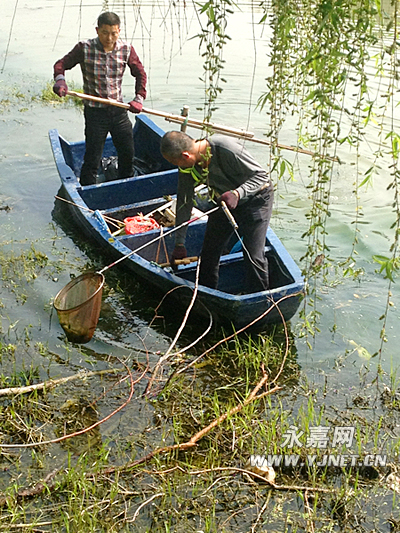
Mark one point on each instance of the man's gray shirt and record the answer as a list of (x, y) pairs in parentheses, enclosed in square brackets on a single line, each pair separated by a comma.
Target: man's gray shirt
[(231, 167)]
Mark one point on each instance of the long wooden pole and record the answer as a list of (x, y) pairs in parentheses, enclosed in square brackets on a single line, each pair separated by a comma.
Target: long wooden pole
[(198, 124), (168, 116)]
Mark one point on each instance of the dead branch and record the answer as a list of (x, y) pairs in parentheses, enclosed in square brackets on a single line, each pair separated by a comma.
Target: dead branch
[(51, 383), (310, 522), (253, 396), (149, 500), (85, 430), (243, 471), (254, 526), (274, 305), (164, 357), (168, 354)]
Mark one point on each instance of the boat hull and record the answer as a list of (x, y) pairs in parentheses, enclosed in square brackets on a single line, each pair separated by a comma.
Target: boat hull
[(92, 205)]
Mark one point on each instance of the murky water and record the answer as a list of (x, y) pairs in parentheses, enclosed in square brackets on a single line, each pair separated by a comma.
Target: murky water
[(35, 35)]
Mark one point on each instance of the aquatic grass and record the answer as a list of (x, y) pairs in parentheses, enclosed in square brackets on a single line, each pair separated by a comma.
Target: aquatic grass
[(20, 378), (47, 95), (192, 491), (18, 269), (7, 350)]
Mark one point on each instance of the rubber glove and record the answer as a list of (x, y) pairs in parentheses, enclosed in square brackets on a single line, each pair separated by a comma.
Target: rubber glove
[(178, 253), (231, 198), (136, 105), (60, 87)]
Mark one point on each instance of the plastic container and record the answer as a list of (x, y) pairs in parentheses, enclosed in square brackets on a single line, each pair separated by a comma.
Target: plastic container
[(139, 224)]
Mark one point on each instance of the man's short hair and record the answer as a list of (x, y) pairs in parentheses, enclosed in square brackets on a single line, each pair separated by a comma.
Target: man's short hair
[(174, 143), (109, 19)]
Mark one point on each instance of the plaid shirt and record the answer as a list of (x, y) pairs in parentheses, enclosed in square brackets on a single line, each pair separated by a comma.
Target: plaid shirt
[(103, 71)]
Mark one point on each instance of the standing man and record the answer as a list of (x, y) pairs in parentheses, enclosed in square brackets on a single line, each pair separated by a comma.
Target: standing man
[(232, 176), (103, 61)]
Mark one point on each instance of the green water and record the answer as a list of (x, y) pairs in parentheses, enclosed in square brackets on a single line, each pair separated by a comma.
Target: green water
[(350, 309)]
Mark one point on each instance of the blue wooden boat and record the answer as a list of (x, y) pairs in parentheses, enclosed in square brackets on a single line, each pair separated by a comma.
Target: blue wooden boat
[(93, 205)]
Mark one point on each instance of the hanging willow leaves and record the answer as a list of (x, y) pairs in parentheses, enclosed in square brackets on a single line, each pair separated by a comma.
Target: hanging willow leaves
[(212, 39), (325, 60)]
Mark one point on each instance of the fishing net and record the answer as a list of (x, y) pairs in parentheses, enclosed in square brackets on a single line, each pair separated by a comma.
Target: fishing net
[(78, 306)]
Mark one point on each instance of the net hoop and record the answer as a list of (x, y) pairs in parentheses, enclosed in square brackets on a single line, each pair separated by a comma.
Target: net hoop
[(78, 306), (59, 298)]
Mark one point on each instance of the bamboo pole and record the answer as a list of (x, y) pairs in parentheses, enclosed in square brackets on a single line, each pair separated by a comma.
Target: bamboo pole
[(168, 116), (198, 124)]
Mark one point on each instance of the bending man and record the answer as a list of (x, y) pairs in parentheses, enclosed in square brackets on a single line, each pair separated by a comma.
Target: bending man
[(233, 176)]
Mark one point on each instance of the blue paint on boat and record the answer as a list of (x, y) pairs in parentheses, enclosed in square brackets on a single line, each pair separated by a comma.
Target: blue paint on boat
[(118, 199)]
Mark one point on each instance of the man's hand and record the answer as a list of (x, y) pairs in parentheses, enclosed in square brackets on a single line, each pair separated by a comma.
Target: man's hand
[(231, 198), (178, 253), (60, 87), (136, 105)]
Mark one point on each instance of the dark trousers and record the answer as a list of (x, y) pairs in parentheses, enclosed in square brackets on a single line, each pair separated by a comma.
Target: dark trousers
[(99, 121), (252, 218)]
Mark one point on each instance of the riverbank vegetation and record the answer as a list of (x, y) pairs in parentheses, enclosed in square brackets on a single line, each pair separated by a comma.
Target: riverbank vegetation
[(185, 465)]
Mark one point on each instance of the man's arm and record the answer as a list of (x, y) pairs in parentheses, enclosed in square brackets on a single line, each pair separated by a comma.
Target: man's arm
[(69, 61), (238, 170), (243, 164), (253, 185), (74, 57), (184, 205), (138, 72)]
